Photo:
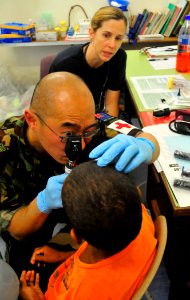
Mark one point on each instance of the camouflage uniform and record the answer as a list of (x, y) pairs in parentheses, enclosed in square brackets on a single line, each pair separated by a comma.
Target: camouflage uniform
[(23, 174)]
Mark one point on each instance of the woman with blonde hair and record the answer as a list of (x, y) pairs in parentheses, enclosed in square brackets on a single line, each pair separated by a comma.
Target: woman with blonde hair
[(101, 63)]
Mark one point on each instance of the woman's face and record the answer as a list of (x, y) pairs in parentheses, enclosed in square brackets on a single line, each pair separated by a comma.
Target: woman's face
[(107, 39)]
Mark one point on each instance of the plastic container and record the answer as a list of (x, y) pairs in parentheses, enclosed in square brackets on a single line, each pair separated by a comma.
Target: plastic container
[(122, 4), (176, 83), (63, 29), (14, 38), (70, 31), (183, 53), (17, 28)]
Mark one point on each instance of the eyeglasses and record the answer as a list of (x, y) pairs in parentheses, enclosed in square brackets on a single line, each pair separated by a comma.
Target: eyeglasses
[(85, 135)]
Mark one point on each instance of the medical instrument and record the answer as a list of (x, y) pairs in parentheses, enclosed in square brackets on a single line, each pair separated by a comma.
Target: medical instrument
[(180, 183), (73, 149)]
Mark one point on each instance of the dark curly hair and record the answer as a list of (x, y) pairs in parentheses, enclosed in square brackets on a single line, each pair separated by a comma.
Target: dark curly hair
[(103, 206)]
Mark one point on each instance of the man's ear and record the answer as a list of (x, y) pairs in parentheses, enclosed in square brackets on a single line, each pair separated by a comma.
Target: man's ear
[(74, 236), (30, 118)]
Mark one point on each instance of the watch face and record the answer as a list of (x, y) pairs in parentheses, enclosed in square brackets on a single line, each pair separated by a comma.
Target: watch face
[(104, 117)]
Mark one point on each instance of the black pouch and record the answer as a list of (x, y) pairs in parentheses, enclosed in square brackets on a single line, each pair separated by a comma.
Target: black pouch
[(181, 124)]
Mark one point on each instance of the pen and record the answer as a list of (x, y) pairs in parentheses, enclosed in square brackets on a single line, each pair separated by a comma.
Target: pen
[(155, 59)]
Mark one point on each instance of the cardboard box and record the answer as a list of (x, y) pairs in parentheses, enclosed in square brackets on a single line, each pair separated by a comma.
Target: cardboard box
[(46, 35)]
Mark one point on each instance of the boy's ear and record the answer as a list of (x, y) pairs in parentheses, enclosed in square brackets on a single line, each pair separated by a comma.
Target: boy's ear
[(74, 236)]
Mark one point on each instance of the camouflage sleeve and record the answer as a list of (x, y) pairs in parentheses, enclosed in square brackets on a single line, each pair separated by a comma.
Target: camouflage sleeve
[(5, 218), (8, 207)]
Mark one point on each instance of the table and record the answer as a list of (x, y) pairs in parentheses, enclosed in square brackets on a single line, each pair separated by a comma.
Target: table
[(159, 195), (137, 65)]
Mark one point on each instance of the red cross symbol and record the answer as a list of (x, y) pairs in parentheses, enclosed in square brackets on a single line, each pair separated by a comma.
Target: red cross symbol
[(121, 125)]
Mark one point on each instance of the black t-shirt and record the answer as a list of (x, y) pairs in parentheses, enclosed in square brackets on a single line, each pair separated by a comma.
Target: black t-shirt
[(111, 75)]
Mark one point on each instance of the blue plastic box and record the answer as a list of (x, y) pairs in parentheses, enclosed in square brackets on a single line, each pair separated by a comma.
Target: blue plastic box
[(17, 28), (14, 38)]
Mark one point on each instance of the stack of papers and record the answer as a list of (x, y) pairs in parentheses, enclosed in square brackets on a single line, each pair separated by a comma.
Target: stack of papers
[(77, 36), (154, 93), (164, 63), (162, 51), (150, 37)]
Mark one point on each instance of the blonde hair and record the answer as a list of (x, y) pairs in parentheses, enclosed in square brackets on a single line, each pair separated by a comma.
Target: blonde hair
[(105, 14)]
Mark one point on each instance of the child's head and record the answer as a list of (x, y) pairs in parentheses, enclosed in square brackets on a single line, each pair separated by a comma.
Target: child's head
[(103, 206)]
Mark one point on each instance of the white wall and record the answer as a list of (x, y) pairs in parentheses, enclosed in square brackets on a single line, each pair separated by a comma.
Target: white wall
[(20, 10), (137, 6), (24, 61)]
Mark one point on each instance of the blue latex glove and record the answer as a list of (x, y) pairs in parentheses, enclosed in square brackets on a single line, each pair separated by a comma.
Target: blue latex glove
[(50, 197), (126, 151)]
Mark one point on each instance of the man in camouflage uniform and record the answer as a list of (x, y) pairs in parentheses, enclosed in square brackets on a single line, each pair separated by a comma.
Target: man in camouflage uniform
[(26, 168), (32, 150)]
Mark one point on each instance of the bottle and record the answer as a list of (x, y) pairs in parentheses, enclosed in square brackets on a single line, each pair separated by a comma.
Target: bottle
[(32, 23), (70, 31), (183, 53), (63, 29)]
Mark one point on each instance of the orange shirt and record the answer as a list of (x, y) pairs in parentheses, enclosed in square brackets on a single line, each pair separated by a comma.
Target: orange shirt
[(116, 277)]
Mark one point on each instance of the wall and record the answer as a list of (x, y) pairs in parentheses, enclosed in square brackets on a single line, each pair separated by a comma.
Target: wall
[(23, 62), (20, 10)]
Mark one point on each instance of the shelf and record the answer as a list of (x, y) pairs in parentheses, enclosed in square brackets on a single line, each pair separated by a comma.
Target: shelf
[(126, 45), (44, 43), (150, 43), (164, 40)]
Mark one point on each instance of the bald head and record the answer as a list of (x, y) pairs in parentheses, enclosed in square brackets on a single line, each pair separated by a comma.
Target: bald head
[(60, 89)]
